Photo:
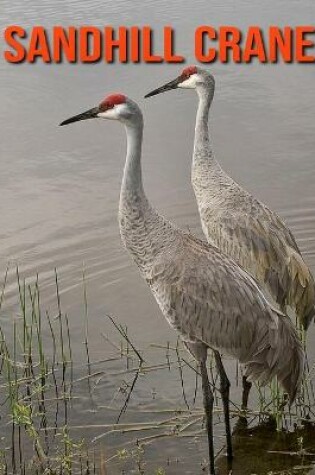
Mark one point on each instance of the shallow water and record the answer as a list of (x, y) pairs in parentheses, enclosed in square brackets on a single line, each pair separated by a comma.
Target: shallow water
[(60, 187)]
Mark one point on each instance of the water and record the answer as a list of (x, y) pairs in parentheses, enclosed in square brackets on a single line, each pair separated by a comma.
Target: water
[(60, 186)]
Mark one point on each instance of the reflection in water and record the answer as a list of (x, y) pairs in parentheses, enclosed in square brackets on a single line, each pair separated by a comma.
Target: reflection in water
[(262, 450)]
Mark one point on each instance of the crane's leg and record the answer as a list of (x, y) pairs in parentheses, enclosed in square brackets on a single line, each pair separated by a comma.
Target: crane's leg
[(246, 388), (199, 352), (225, 394), (208, 406)]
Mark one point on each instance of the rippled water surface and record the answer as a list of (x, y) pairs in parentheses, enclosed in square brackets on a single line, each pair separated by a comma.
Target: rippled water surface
[(60, 186)]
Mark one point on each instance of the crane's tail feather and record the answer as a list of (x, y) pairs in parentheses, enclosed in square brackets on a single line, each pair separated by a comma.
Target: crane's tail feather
[(277, 352), (292, 284), (308, 318), (302, 294)]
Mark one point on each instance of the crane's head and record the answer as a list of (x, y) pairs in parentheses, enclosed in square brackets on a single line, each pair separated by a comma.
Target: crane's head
[(113, 107), (191, 77)]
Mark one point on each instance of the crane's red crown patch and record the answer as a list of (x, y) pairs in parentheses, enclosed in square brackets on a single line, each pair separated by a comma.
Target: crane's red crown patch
[(187, 72), (110, 101)]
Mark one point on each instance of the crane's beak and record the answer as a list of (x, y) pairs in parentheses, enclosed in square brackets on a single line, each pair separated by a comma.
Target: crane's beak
[(90, 114), (167, 87)]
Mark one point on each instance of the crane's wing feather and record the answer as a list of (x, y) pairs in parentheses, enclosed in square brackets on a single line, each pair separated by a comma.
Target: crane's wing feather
[(261, 243), (208, 298)]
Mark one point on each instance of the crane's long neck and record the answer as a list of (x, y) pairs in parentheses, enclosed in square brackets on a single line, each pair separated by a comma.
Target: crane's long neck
[(203, 150), (132, 178), (206, 171), (141, 227)]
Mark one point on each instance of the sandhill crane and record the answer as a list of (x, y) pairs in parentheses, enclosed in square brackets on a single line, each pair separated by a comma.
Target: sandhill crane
[(239, 224), (203, 294)]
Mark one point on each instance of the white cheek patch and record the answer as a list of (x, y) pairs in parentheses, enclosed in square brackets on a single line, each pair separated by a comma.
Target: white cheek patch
[(113, 113), (189, 83), (121, 108), (109, 114)]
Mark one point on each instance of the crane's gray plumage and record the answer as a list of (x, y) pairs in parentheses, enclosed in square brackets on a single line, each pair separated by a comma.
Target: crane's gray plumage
[(202, 293), (211, 301), (243, 227), (239, 224)]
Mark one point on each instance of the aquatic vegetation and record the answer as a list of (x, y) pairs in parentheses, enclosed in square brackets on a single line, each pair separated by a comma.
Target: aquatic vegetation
[(63, 415)]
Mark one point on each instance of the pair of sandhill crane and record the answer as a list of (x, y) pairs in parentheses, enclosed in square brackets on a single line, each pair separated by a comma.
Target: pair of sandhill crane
[(211, 292)]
